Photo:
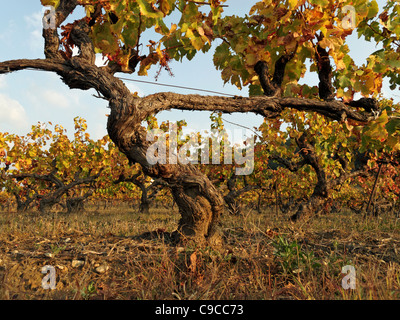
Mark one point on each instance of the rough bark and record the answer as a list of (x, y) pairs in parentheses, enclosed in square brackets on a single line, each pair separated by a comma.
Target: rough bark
[(326, 90), (272, 87)]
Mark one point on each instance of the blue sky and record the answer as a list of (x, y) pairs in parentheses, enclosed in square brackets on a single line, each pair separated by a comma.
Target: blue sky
[(27, 97)]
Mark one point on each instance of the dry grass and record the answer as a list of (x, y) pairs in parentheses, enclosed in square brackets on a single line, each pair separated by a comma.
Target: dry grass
[(265, 257)]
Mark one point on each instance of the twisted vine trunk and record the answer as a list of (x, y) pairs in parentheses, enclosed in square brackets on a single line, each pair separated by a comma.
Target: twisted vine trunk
[(320, 195), (200, 203)]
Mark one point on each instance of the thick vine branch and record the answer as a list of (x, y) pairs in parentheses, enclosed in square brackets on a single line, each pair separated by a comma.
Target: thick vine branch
[(326, 90), (230, 198), (51, 37), (269, 107), (61, 187), (79, 75), (76, 73), (309, 155), (272, 88)]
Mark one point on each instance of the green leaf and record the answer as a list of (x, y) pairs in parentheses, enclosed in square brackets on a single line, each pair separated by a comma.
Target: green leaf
[(393, 125), (395, 63), (130, 34), (344, 82), (220, 56), (255, 90), (147, 10), (373, 9), (322, 3), (190, 11)]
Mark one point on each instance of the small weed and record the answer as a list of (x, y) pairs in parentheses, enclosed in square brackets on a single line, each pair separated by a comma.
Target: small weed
[(56, 249), (88, 292), (291, 257)]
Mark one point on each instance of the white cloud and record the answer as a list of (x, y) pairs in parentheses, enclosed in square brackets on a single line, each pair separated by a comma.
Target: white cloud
[(34, 23), (8, 34), (12, 114), (134, 88), (55, 98), (36, 41), (3, 82), (99, 130), (34, 20)]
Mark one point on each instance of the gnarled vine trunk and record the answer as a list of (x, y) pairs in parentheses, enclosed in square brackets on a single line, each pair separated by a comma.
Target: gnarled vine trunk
[(200, 203), (320, 199)]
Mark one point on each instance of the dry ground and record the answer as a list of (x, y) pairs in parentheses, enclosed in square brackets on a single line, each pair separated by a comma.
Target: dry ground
[(97, 255)]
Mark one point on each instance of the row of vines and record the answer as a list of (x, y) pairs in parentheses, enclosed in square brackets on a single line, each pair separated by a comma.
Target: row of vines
[(296, 158)]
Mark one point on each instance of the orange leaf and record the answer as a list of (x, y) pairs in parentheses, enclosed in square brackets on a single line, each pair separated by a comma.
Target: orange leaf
[(193, 262)]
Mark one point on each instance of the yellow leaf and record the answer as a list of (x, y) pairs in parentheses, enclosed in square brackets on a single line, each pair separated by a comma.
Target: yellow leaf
[(193, 262), (196, 41), (293, 4), (340, 65), (326, 43), (200, 30), (53, 3), (251, 59), (164, 6), (349, 126), (89, 10), (173, 28)]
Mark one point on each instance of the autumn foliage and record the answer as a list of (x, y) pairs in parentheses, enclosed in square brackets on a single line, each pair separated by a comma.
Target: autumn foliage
[(322, 144)]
